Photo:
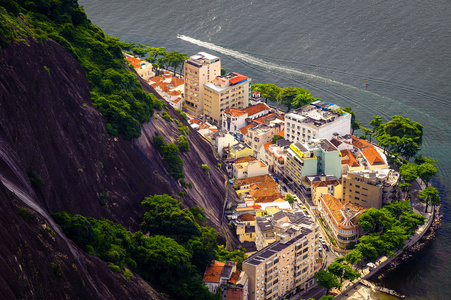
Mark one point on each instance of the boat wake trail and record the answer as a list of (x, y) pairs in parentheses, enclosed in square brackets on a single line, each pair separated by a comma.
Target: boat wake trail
[(261, 63)]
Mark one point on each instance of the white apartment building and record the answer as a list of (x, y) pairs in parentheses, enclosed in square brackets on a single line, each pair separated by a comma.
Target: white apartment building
[(316, 120), (287, 265), (199, 69), (234, 119)]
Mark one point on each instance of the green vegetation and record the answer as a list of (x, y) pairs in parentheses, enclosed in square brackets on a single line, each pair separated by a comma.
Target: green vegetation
[(429, 196), (399, 136), (386, 229), (172, 258), (57, 270), (183, 144), (291, 97), (327, 280), (35, 179), (276, 137), (116, 92), (184, 116), (24, 213), (171, 156), (289, 198), (206, 168), (167, 117)]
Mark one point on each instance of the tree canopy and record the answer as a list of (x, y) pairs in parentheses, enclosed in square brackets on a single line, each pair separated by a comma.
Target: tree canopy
[(400, 136), (429, 196)]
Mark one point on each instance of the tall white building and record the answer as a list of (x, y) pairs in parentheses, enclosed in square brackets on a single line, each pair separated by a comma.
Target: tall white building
[(316, 120)]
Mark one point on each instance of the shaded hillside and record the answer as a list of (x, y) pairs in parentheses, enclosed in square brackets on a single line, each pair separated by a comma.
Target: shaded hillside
[(39, 262), (48, 123)]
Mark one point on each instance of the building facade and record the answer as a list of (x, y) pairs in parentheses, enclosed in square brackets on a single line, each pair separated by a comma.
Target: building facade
[(285, 266), (341, 219), (223, 92), (370, 188), (316, 120), (199, 69)]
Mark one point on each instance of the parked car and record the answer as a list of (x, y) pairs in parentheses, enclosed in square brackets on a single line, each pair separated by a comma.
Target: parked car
[(322, 242)]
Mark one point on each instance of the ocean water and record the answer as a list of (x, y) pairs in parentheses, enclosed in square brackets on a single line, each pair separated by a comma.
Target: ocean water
[(403, 49)]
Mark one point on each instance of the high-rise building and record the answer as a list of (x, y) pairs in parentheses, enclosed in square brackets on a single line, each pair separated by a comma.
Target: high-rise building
[(287, 265), (199, 69), (223, 92)]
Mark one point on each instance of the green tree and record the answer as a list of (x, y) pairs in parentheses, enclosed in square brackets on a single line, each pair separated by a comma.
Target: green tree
[(268, 91), (354, 124), (409, 172), (289, 198), (183, 144), (276, 137), (374, 220), (400, 136), (164, 216), (426, 171), (343, 271), (223, 71), (176, 59), (327, 280), (429, 196)]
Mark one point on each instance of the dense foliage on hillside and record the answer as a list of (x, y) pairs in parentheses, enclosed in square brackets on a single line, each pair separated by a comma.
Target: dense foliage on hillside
[(173, 256), (116, 92)]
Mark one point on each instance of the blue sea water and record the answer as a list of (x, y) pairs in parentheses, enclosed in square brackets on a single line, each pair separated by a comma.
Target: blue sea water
[(403, 49)]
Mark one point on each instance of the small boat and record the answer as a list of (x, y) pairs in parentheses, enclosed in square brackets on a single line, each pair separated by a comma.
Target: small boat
[(179, 36)]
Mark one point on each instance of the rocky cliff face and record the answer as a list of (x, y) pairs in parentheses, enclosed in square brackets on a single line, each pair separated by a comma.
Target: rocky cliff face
[(48, 126)]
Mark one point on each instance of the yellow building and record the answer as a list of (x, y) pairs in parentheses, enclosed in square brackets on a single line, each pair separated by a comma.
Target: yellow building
[(332, 187), (199, 69), (245, 228), (230, 90)]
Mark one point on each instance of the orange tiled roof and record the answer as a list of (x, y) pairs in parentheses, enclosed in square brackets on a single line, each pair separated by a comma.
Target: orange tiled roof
[(372, 156), (267, 199), (245, 129), (177, 81), (359, 143), (262, 119), (349, 158), (252, 110), (267, 145), (213, 129), (254, 179), (234, 277), (334, 205), (156, 79), (234, 112), (134, 61), (246, 217), (213, 271), (326, 183), (174, 93), (244, 159), (282, 133)]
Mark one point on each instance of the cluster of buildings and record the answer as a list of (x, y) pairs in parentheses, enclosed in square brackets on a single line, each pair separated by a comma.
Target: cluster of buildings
[(336, 175)]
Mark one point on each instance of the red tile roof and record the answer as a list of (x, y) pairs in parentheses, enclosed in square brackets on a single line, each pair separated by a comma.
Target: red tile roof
[(234, 277), (253, 179), (282, 133), (238, 78), (267, 199), (267, 145), (349, 159), (134, 61), (234, 111), (246, 217), (262, 119), (326, 183), (245, 129), (244, 159), (334, 206), (372, 156), (252, 110), (213, 271)]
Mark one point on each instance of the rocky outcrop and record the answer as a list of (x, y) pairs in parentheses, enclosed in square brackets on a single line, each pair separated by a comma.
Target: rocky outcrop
[(49, 128)]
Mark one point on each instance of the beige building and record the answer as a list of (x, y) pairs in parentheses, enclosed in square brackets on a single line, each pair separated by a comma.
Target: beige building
[(324, 186), (223, 92), (245, 228), (287, 265), (199, 69), (249, 169), (341, 219), (143, 68), (370, 187)]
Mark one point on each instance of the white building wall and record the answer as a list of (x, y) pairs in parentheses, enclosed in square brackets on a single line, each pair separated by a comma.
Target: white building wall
[(225, 141)]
